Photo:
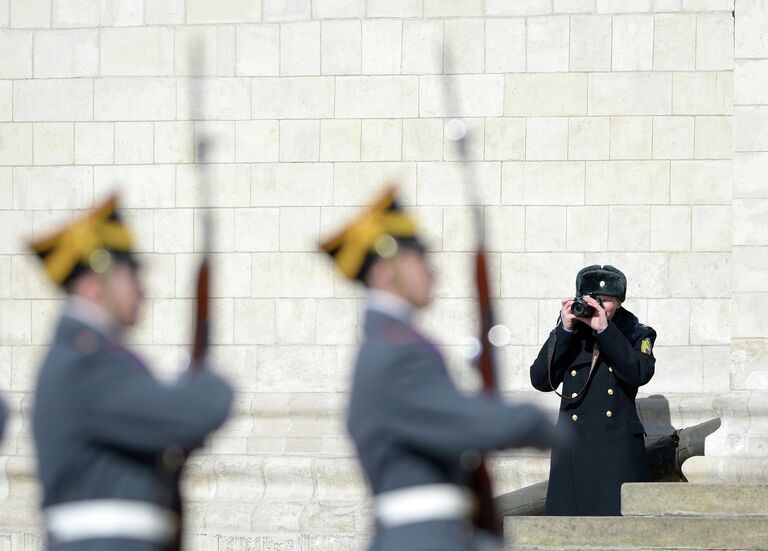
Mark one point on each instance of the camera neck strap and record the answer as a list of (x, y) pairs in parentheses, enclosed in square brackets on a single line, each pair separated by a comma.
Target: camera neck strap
[(551, 341)]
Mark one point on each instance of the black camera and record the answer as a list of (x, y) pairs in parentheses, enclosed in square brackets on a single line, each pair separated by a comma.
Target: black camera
[(581, 309)]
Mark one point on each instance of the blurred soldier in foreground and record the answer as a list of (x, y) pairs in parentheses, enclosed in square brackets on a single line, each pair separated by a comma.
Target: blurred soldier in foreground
[(601, 354), (418, 437), (110, 438)]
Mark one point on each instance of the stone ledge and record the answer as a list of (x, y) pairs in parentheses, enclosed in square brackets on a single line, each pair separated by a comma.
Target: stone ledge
[(694, 499), (13, 540), (227, 492), (730, 470), (744, 430), (612, 548), (211, 541), (636, 532)]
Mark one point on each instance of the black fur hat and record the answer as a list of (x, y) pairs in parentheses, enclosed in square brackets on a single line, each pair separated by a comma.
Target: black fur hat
[(601, 280)]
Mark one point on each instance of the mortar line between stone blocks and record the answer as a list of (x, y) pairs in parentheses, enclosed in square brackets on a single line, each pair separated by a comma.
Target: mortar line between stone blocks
[(280, 50), (695, 125), (154, 130), (525, 228), (653, 42), (696, 41), (525, 42)]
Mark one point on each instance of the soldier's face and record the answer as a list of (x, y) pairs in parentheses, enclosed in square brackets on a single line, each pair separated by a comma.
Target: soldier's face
[(611, 304), (124, 294), (414, 277)]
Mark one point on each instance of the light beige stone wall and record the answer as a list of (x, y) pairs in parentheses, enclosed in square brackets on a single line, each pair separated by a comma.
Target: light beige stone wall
[(750, 226), (738, 452), (601, 133)]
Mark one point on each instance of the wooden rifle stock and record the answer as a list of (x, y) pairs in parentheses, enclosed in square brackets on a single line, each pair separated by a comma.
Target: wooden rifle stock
[(485, 362), (485, 515), (200, 344), (199, 351)]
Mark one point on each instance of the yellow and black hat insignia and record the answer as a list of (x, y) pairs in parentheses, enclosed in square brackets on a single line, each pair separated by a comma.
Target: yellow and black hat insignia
[(89, 242), (379, 231)]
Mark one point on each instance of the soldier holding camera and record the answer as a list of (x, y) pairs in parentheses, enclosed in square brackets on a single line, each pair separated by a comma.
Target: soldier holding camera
[(601, 354)]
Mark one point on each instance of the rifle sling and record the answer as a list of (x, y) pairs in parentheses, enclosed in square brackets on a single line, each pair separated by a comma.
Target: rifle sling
[(550, 356)]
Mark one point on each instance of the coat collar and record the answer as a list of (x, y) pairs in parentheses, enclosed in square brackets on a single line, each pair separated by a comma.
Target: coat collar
[(92, 315), (375, 320), (390, 305), (626, 322)]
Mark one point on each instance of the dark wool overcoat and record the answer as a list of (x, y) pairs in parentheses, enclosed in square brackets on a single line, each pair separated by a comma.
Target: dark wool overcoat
[(608, 447)]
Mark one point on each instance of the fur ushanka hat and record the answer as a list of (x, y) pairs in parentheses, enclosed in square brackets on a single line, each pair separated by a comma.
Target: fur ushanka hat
[(601, 280)]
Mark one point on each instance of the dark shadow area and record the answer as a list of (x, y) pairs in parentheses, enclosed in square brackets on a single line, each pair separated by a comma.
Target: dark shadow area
[(655, 414)]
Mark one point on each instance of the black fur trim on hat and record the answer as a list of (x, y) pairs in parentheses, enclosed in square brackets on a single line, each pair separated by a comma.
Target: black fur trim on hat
[(601, 280)]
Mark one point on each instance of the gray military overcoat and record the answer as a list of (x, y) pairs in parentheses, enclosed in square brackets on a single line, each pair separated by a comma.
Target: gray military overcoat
[(412, 426), (102, 424)]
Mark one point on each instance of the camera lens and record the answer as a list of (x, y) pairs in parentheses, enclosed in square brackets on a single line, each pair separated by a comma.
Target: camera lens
[(581, 309)]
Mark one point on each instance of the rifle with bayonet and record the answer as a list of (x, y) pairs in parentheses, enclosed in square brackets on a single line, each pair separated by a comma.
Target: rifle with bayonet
[(485, 517), (202, 299)]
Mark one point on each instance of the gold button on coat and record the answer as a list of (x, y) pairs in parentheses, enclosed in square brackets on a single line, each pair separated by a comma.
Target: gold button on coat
[(609, 413), (610, 392), (574, 395), (573, 372), (575, 417), (610, 369)]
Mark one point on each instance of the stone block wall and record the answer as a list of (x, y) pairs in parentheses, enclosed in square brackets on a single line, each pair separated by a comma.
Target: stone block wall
[(601, 132)]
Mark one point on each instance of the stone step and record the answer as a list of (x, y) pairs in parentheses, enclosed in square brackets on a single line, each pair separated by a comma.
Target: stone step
[(569, 548), (679, 499), (595, 533)]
